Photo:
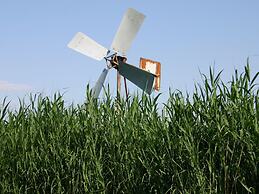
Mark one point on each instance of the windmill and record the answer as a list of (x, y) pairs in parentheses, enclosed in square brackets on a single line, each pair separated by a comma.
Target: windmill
[(116, 56)]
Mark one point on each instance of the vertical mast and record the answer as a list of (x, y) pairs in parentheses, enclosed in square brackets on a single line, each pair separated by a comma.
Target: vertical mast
[(118, 84)]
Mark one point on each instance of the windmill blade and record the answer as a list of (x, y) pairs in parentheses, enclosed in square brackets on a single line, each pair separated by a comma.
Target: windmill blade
[(99, 84), (143, 79), (129, 26), (85, 45)]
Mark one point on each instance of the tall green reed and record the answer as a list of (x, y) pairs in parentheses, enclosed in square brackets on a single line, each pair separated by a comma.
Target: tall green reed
[(206, 142)]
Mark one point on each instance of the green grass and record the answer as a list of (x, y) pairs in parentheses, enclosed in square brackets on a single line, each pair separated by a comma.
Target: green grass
[(207, 142)]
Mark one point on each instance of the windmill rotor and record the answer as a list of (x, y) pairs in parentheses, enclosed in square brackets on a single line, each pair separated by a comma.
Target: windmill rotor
[(116, 56)]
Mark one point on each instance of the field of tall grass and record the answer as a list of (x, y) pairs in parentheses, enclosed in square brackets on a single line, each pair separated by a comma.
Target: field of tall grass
[(204, 142)]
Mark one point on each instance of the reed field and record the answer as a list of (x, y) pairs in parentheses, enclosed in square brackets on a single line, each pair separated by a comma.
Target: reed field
[(201, 142)]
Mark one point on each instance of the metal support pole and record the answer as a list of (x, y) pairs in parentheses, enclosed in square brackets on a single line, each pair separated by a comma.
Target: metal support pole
[(126, 89), (118, 84)]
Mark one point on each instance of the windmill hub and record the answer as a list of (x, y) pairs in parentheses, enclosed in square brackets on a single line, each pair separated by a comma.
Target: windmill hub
[(117, 60)]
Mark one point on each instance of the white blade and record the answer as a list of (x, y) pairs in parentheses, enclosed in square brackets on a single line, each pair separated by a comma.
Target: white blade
[(127, 30), (99, 84), (85, 45)]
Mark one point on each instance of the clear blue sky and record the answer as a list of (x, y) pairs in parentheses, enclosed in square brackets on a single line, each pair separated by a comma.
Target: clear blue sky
[(185, 36)]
